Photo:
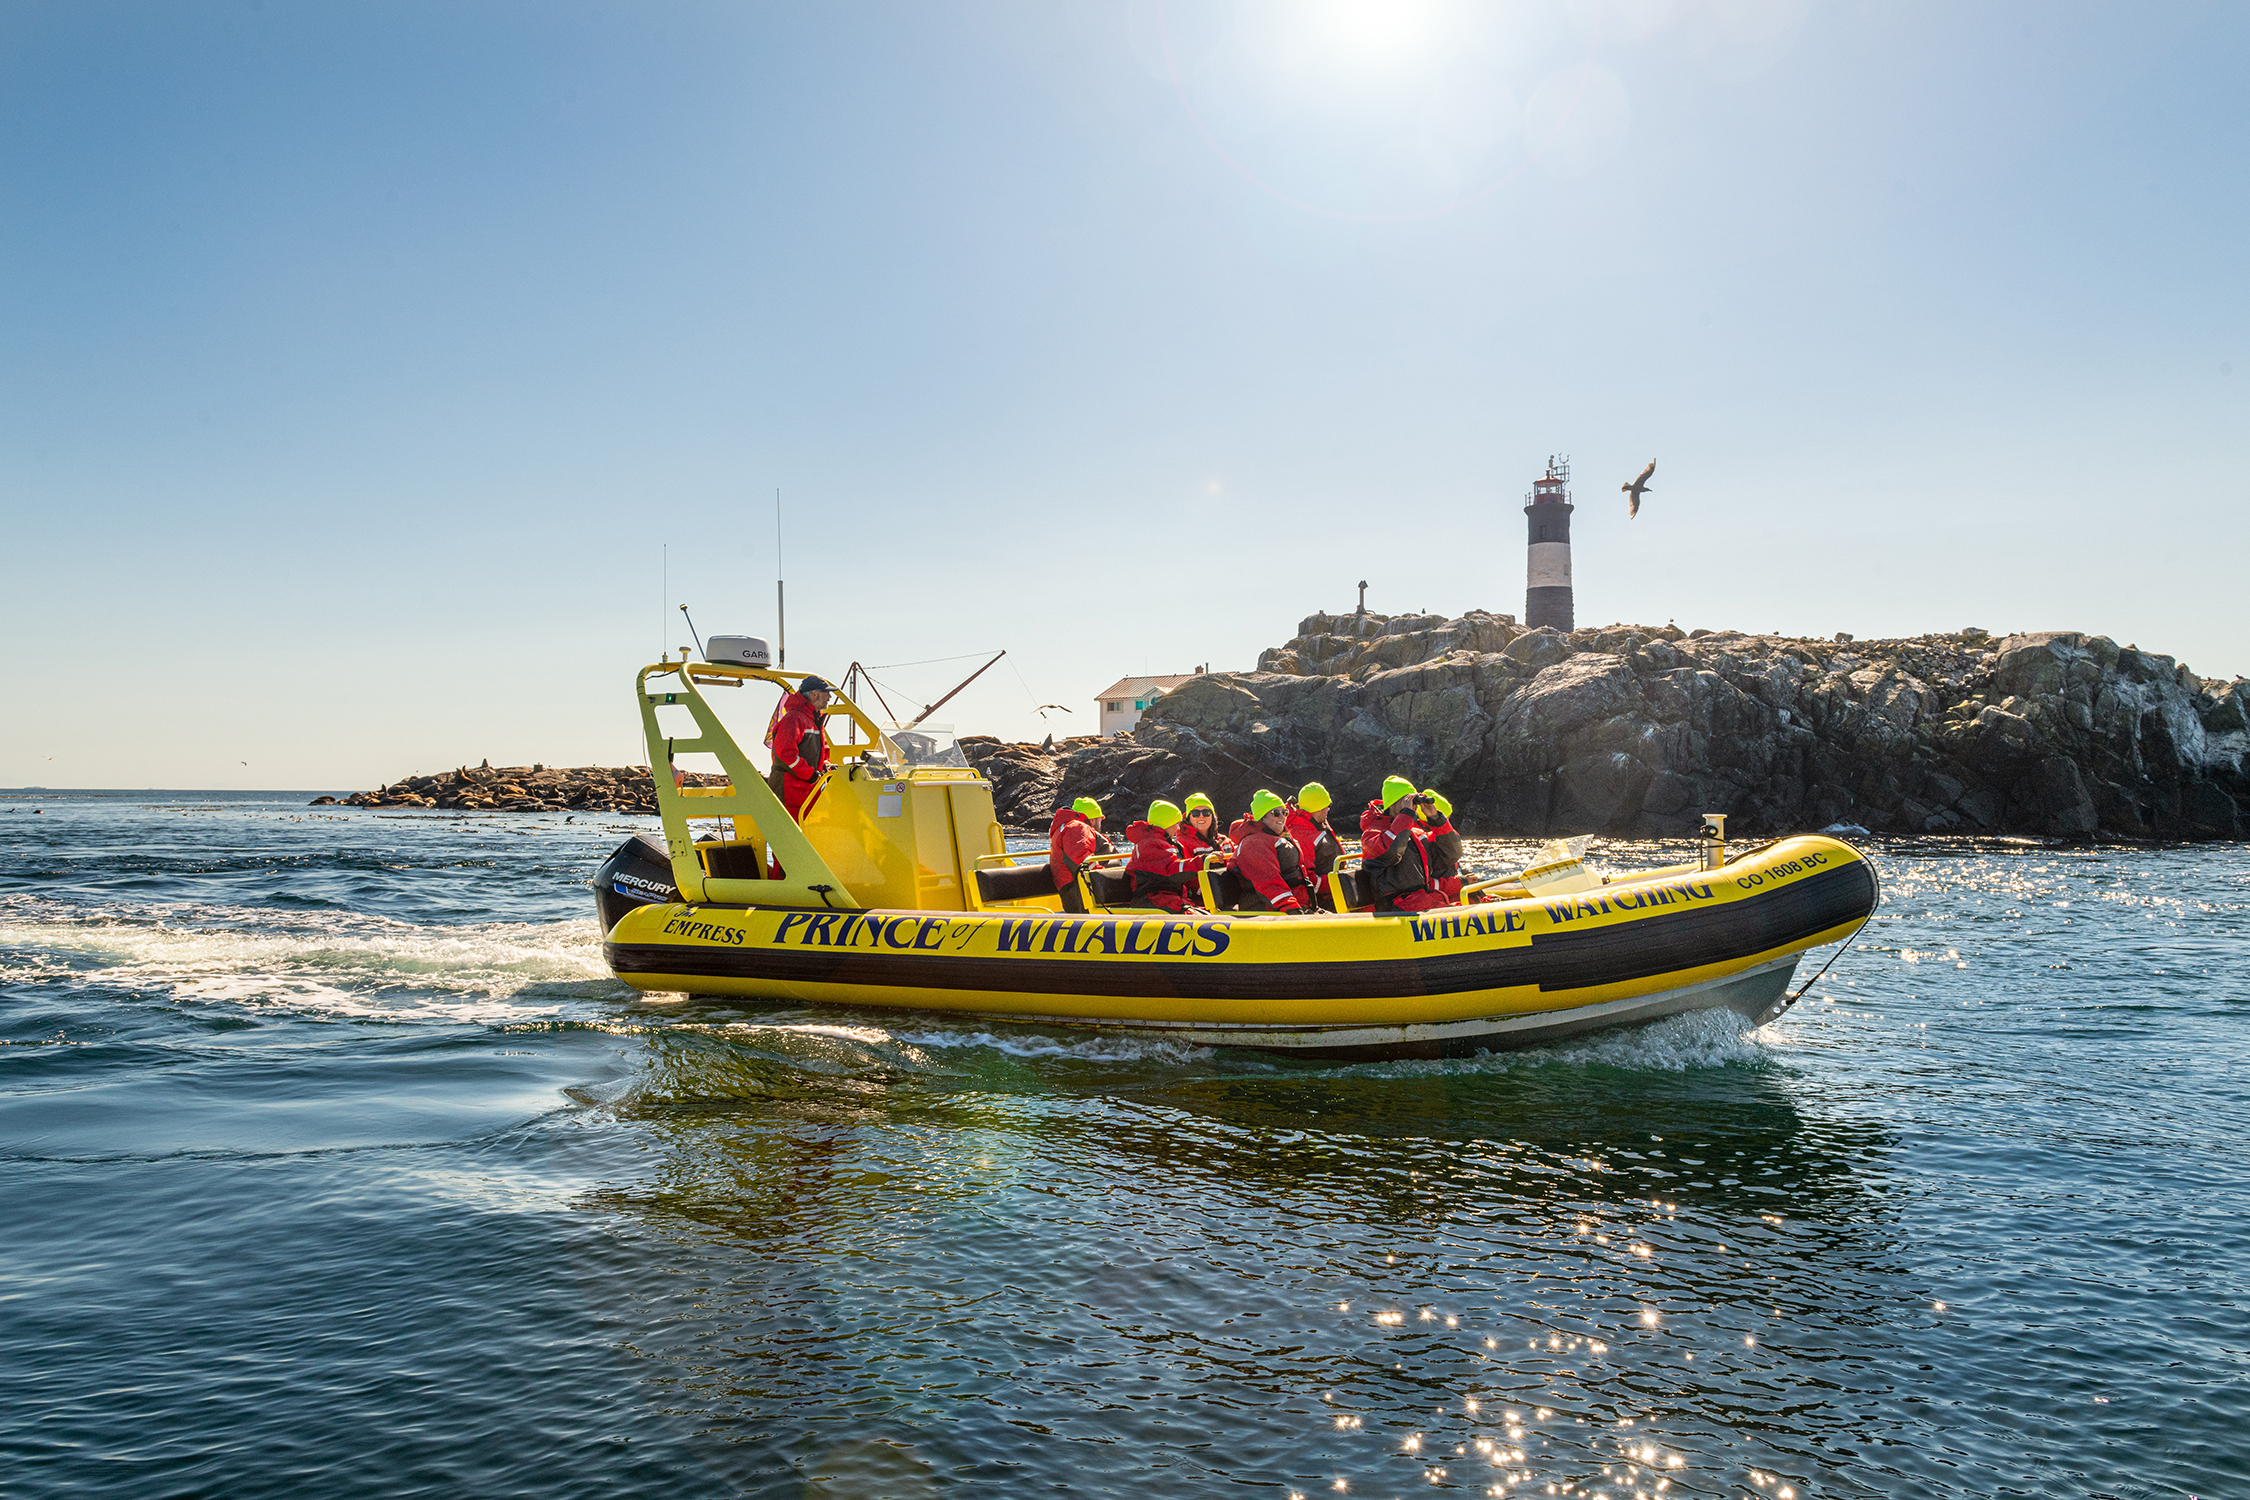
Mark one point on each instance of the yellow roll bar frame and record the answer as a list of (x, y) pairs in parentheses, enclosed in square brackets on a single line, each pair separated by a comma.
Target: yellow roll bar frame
[(756, 812)]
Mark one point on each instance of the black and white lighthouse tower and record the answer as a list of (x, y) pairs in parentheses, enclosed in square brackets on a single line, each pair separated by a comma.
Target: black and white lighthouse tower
[(1546, 599)]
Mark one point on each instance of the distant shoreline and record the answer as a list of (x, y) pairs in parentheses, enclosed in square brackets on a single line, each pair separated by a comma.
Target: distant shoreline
[(533, 788), (22, 793)]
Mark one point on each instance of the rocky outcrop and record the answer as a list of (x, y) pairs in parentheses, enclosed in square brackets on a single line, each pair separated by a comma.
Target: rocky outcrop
[(1635, 731), (1351, 645), (1025, 778), (525, 789)]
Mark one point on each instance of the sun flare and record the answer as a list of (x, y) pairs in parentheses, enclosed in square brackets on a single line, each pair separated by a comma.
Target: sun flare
[(1381, 32)]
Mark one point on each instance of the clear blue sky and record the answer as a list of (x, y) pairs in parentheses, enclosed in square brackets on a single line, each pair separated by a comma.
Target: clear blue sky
[(358, 361)]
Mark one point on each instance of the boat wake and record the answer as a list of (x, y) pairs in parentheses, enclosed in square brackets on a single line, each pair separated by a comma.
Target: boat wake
[(1699, 1039), (317, 964), (1676, 1044), (337, 965), (1099, 1048), (797, 1050)]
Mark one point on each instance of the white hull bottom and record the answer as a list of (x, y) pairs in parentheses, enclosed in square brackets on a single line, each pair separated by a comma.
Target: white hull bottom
[(1760, 994)]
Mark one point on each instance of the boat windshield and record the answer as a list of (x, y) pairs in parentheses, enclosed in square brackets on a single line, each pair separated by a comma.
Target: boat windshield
[(930, 745)]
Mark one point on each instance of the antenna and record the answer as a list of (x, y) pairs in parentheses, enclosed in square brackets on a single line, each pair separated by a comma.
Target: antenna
[(964, 682), (863, 675), (780, 596), (691, 632), (664, 619)]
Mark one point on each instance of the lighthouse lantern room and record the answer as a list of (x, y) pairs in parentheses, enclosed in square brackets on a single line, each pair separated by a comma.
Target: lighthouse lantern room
[(1547, 598)]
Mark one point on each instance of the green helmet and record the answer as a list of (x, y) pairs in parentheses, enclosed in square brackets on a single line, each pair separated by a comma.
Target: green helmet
[(1395, 787), (1089, 807), (1312, 797), (1163, 814), (1197, 802), (1263, 802), (1445, 808)]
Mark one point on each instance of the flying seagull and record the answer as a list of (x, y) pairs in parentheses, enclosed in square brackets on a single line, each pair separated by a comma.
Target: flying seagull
[(1041, 710), (1636, 489)]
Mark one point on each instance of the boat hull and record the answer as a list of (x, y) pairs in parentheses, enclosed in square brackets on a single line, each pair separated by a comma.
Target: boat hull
[(1458, 980)]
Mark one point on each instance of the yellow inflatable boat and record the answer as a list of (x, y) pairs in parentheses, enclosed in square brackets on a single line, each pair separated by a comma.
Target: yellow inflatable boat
[(898, 892)]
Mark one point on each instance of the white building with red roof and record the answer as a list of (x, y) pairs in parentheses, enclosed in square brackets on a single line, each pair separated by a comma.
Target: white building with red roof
[(1122, 702)]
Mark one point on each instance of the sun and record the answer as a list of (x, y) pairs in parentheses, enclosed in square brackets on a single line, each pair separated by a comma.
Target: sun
[(1379, 34), (1327, 43)]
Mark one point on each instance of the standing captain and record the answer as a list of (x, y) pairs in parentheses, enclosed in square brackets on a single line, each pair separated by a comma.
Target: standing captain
[(798, 738)]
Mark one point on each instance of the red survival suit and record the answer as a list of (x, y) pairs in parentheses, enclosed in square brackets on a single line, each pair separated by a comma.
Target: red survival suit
[(1270, 865), (1371, 820), (1318, 847), (1160, 872), (1441, 848), (1196, 844), (1072, 839), (1396, 862), (800, 751)]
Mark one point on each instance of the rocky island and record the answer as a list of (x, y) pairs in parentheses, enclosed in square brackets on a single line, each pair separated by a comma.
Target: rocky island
[(1633, 731), (536, 788)]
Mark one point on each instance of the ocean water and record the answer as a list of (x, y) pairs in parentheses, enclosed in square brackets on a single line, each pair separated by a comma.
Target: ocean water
[(334, 1163)]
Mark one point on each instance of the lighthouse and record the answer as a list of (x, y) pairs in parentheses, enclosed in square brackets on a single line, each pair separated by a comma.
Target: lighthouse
[(1547, 593)]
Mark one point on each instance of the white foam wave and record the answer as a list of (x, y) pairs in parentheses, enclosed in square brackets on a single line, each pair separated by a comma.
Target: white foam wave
[(915, 1046), (1676, 1044), (1702, 1039), (871, 1036), (1100, 1047), (828, 1042), (331, 964)]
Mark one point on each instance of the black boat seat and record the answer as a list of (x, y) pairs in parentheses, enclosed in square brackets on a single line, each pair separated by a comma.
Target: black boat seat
[(732, 860), (1352, 889), (1016, 882), (1109, 889), (1228, 889)]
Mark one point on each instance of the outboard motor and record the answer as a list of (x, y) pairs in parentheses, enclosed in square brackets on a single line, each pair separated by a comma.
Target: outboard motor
[(638, 874)]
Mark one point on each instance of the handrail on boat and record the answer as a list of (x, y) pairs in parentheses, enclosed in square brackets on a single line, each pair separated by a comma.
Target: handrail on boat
[(746, 801)]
